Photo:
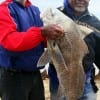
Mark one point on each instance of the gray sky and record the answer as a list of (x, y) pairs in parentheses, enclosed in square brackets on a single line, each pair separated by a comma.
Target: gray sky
[(94, 6)]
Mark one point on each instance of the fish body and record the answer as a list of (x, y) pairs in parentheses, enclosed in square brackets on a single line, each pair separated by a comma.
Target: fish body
[(66, 53)]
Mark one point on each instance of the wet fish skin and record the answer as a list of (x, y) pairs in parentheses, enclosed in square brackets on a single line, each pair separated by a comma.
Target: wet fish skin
[(67, 54)]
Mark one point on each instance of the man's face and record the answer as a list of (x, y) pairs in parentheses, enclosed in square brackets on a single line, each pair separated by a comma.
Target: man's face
[(79, 6)]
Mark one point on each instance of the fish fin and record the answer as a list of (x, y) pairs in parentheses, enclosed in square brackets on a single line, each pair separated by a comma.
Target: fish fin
[(85, 31), (44, 59), (59, 57)]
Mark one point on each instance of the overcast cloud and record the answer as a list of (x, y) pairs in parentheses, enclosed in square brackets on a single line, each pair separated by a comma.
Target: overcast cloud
[(43, 4), (94, 6)]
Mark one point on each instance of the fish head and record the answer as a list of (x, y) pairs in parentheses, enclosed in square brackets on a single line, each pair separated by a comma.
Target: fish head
[(47, 16)]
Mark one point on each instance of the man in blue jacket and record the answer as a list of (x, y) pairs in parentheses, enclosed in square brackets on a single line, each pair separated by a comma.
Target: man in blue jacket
[(78, 11), (22, 40)]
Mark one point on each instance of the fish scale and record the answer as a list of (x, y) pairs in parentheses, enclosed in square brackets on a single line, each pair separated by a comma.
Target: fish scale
[(66, 53)]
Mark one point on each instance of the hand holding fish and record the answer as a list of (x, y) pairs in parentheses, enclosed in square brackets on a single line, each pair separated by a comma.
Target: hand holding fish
[(52, 31)]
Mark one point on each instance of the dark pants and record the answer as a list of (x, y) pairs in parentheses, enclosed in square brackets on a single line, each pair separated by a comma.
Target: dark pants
[(21, 85)]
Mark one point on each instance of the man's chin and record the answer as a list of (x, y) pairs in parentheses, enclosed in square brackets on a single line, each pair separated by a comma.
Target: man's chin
[(79, 9)]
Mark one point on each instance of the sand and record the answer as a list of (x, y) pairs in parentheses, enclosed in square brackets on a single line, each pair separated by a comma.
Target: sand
[(47, 93)]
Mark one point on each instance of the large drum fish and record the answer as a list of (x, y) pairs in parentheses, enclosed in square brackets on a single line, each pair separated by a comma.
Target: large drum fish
[(66, 53)]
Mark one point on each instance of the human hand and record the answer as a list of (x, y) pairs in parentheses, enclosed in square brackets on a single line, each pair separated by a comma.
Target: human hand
[(52, 31)]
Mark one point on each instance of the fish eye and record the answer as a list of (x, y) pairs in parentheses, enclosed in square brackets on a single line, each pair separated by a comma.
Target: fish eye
[(52, 15), (54, 44)]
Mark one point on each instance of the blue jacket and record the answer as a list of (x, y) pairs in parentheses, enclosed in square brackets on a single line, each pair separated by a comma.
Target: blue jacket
[(21, 41)]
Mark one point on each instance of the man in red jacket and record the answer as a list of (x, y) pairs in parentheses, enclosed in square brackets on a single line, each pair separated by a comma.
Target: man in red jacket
[(21, 44)]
